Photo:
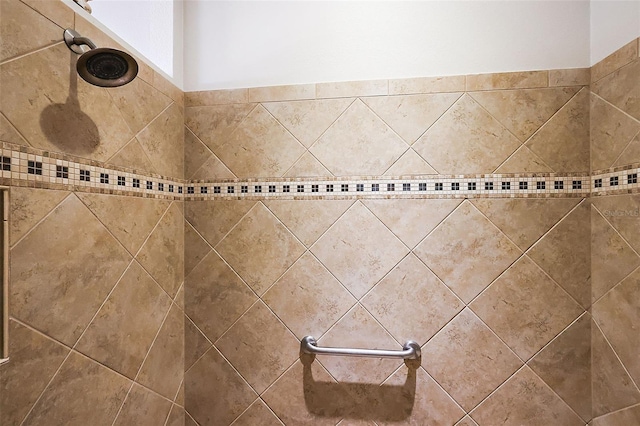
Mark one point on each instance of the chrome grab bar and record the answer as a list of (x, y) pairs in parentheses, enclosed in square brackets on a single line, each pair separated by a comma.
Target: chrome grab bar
[(410, 350)]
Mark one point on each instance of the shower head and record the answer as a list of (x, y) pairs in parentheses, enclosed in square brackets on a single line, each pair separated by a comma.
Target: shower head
[(102, 66)]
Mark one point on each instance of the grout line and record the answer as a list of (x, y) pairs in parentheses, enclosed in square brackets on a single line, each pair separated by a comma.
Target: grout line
[(624, 367), (37, 50)]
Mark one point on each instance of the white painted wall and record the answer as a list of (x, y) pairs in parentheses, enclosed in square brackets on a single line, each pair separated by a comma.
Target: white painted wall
[(230, 44), (152, 27), (613, 24)]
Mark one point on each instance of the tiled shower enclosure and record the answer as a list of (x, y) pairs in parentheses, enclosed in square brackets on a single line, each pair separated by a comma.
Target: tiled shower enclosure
[(169, 251)]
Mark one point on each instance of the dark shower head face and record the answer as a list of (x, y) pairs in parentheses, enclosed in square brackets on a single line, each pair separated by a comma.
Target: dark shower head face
[(106, 67)]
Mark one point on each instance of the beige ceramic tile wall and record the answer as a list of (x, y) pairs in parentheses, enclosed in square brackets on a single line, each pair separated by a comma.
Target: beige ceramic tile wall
[(615, 241), (96, 331), (495, 291)]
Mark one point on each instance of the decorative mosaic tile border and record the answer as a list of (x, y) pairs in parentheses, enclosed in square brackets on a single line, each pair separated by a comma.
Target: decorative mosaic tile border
[(427, 186), (619, 180), (28, 167)]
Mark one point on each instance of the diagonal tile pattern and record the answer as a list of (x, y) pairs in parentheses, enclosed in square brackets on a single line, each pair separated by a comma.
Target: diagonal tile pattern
[(480, 142), (468, 360), (259, 146), (259, 346), (411, 115), (412, 285), (523, 111), (77, 238), (358, 134), (260, 248), (525, 399), (525, 308), (359, 329), (467, 252), (359, 250), (308, 120), (319, 299)]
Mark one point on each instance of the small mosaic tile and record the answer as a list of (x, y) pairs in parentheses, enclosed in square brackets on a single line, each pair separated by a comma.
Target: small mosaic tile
[(29, 167)]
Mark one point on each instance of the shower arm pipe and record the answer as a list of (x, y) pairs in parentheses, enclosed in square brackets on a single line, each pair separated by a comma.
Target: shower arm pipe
[(410, 350), (79, 41)]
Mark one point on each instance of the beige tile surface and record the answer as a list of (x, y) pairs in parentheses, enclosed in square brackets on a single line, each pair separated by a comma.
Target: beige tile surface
[(259, 328), (57, 12), (564, 253), (163, 142), (307, 395), (308, 299), (307, 166), (163, 369), (34, 361), (260, 249), (307, 120), (24, 30), (216, 97), (65, 245), (412, 287), (214, 393), (168, 88), (466, 421), (420, 403), (508, 80), (466, 140), (282, 93), (622, 88), (143, 408), (308, 219), (176, 416), (627, 416), (569, 77), (611, 131), (525, 308), (618, 314), (259, 147), (523, 111), (28, 207), (358, 329), (613, 389), (139, 103), (621, 211), (196, 154), (133, 157), (631, 153), (195, 344), (352, 88), (213, 124), (524, 221), (91, 392), (124, 328), (562, 142), (213, 169), (468, 360), (411, 115), (410, 163), (195, 248), (359, 250), (362, 135), (612, 258), (257, 414), (8, 133), (162, 255), (565, 365), (525, 399), (616, 60), (523, 161), (214, 219), (129, 219), (215, 296), (487, 252), (407, 86)]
